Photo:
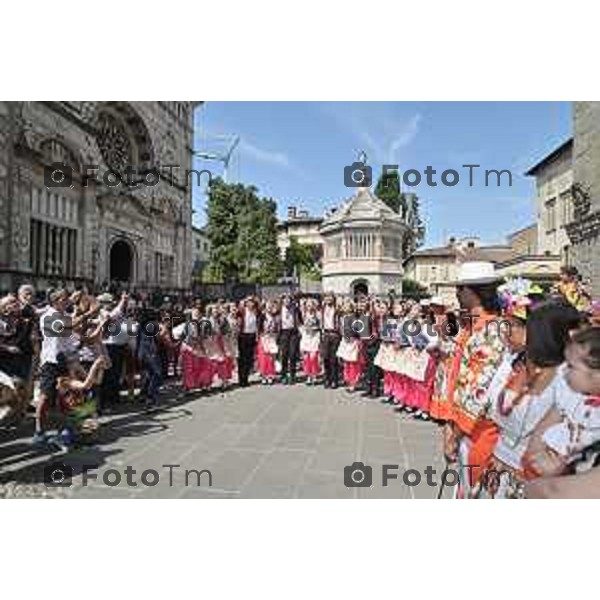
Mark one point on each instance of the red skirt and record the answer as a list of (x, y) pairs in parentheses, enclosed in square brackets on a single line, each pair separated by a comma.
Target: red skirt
[(310, 364), (198, 371), (418, 393), (265, 362), (388, 383), (225, 368)]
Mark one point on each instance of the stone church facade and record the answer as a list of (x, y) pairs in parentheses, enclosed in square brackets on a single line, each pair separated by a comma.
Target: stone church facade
[(584, 230), (89, 228)]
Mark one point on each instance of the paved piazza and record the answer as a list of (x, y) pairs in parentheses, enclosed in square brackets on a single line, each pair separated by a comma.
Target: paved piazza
[(258, 442)]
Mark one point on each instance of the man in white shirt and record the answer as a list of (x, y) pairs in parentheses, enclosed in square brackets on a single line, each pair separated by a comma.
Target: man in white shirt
[(55, 327), (115, 342), (331, 341), (249, 328), (289, 339)]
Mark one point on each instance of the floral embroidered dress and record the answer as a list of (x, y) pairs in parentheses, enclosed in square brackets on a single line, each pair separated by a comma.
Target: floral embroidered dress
[(478, 352)]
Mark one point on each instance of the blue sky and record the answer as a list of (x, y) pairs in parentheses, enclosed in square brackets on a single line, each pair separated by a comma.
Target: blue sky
[(295, 152)]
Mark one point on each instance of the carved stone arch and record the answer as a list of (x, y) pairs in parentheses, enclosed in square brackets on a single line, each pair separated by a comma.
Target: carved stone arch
[(122, 137), (122, 259), (55, 150)]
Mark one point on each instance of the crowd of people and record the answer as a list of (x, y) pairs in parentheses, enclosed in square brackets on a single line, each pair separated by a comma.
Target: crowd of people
[(512, 373)]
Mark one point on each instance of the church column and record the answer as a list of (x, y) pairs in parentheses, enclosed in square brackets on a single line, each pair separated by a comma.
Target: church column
[(53, 252), (64, 257), (42, 256), (34, 247), (73, 252)]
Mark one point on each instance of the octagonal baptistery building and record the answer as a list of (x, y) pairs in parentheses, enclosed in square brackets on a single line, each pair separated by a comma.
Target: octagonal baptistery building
[(363, 247)]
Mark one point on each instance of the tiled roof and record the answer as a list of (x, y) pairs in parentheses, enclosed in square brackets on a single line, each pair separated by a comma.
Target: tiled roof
[(363, 205)]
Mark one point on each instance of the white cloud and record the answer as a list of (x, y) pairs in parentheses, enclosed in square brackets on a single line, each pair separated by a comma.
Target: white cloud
[(405, 136), (381, 135), (278, 159)]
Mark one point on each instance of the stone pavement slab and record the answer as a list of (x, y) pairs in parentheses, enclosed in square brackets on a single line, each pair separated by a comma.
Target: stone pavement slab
[(256, 442)]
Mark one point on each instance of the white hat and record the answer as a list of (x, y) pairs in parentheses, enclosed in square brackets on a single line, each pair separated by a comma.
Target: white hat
[(425, 302), (106, 297), (437, 300), (477, 273)]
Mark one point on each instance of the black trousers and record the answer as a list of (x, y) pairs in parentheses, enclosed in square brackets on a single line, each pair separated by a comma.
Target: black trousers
[(289, 347), (374, 374), (111, 382), (246, 352), (329, 346)]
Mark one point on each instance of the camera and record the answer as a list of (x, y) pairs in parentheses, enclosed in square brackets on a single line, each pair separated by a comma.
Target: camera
[(357, 327), (58, 175), (58, 475), (358, 175), (358, 475), (57, 325)]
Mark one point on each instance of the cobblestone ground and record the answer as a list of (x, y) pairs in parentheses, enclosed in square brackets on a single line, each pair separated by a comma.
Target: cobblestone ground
[(257, 442)]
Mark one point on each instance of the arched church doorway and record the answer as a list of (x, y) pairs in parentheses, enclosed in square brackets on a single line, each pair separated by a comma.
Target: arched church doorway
[(121, 261), (360, 288)]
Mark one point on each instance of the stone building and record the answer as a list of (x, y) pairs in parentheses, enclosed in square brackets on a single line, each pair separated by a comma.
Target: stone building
[(525, 240), (554, 182), (363, 242), (301, 226), (437, 268), (200, 252), (90, 228), (584, 228)]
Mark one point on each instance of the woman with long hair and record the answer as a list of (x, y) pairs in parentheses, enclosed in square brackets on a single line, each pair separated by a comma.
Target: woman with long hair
[(266, 346), (310, 341), (529, 382)]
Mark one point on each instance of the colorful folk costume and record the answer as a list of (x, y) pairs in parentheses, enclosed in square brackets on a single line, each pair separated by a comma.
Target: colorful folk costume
[(267, 348), (574, 293), (478, 352), (213, 346), (535, 430), (229, 345), (310, 342), (385, 358), (195, 366), (420, 379), (440, 407), (350, 349)]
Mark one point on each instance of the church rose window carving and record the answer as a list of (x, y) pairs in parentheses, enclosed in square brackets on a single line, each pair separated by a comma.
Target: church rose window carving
[(114, 143)]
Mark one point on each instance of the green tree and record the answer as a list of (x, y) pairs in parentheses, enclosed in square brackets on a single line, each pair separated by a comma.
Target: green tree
[(222, 230), (406, 204), (242, 229), (303, 260), (414, 290), (388, 189)]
